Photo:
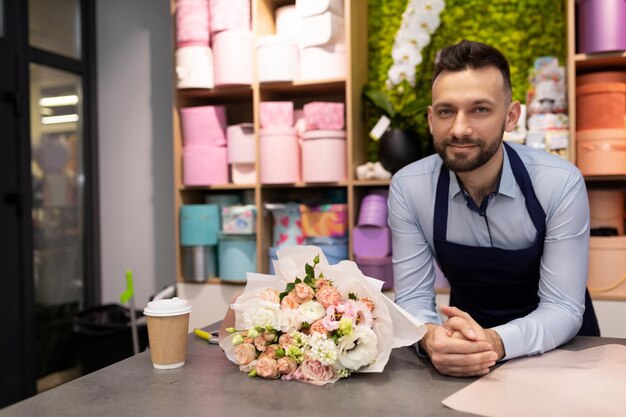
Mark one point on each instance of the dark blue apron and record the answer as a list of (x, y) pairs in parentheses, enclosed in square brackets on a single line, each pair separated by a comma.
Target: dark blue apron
[(496, 285)]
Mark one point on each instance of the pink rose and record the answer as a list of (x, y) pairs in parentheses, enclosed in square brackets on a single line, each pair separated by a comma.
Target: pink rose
[(260, 343), (270, 295), (303, 293), (245, 353), (311, 370), (321, 282), (289, 301), (318, 327), (267, 368), (285, 340), (328, 296), (286, 365), (270, 351)]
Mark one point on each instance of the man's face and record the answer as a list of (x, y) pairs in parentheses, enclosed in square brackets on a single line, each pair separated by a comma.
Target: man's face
[(469, 113)]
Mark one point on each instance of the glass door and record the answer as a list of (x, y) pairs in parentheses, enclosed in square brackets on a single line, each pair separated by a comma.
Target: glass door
[(57, 169)]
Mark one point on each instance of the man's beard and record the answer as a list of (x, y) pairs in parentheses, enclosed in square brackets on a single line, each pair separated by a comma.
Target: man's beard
[(460, 162)]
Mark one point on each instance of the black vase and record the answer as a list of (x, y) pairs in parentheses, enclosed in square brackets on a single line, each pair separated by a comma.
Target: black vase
[(397, 148)]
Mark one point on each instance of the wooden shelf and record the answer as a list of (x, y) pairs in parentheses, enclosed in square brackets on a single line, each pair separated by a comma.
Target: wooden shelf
[(371, 183), (235, 92), (608, 60), (331, 86), (307, 185), (218, 187)]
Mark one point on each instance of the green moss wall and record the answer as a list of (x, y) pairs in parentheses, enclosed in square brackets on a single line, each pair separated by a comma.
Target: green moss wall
[(522, 29)]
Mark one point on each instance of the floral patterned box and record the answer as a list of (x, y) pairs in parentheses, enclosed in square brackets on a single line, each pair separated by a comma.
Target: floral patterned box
[(239, 219), (324, 220)]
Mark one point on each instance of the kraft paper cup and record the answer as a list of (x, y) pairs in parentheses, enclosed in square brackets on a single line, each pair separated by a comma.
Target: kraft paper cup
[(168, 321)]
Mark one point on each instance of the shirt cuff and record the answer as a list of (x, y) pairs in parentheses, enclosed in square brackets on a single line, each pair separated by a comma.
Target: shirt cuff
[(512, 340)]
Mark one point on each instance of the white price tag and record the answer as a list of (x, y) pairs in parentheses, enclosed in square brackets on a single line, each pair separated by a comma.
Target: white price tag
[(381, 126)]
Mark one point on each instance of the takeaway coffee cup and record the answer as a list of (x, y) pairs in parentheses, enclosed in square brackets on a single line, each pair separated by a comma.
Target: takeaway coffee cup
[(168, 321)]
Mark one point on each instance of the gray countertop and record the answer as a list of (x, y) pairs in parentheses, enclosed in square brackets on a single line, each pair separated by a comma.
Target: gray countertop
[(210, 385)]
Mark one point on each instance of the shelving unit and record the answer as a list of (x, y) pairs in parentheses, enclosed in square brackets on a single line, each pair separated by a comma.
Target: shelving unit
[(578, 64), (243, 105)]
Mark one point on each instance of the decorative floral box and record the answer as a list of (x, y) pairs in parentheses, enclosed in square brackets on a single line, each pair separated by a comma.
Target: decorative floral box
[(324, 220), (239, 219), (322, 115), (276, 113)]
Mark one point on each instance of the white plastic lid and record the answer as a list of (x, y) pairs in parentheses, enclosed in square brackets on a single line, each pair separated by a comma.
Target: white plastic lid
[(321, 134), (168, 307)]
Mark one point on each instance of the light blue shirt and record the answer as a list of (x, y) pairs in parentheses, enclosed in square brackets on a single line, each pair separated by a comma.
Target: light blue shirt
[(560, 189)]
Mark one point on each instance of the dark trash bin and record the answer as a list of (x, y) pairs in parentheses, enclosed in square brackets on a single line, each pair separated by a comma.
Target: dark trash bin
[(104, 335)]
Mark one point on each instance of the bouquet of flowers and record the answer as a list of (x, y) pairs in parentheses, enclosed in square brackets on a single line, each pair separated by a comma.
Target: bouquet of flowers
[(315, 322)]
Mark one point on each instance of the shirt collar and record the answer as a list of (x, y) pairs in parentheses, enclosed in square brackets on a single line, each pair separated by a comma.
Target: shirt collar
[(507, 185)]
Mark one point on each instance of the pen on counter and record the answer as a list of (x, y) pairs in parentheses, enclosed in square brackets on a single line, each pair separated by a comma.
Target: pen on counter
[(208, 336)]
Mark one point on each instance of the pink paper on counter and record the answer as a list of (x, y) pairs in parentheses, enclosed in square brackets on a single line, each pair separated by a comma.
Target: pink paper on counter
[(590, 382)]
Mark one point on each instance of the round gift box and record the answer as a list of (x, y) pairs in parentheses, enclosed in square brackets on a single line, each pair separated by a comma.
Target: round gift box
[(373, 211), (324, 156), (233, 51), (277, 58), (280, 155), (194, 67)]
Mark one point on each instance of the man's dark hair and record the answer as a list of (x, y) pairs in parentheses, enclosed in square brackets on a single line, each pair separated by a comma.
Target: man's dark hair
[(472, 55)]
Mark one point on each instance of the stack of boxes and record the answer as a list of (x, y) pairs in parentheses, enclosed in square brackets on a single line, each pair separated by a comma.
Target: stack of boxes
[(214, 43), (199, 229), (205, 159), (324, 143), (308, 44), (279, 147), (371, 239), (601, 141), (237, 242)]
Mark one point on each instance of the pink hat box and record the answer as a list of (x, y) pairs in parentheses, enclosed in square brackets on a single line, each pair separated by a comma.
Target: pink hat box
[(379, 268), (323, 62), (241, 143), (203, 126), (277, 58), (371, 241), (607, 209), (321, 29), (321, 115), (600, 25), (287, 21), (243, 173), (280, 155), (307, 8), (601, 105), (229, 15), (205, 166), (233, 53), (276, 114), (194, 67), (607, 264), (373, 211), (192, 22), (324, 156), (601, 151)]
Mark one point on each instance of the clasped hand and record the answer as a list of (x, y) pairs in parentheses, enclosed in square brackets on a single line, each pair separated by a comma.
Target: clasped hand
[(460, 346)]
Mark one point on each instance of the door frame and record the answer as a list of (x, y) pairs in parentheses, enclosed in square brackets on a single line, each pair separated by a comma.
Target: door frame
[(18, 371)]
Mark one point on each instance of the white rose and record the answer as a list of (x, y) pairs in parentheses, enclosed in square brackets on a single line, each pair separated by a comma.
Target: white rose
[(357, 349), (292, 321), (261, 313), (311, 311)]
